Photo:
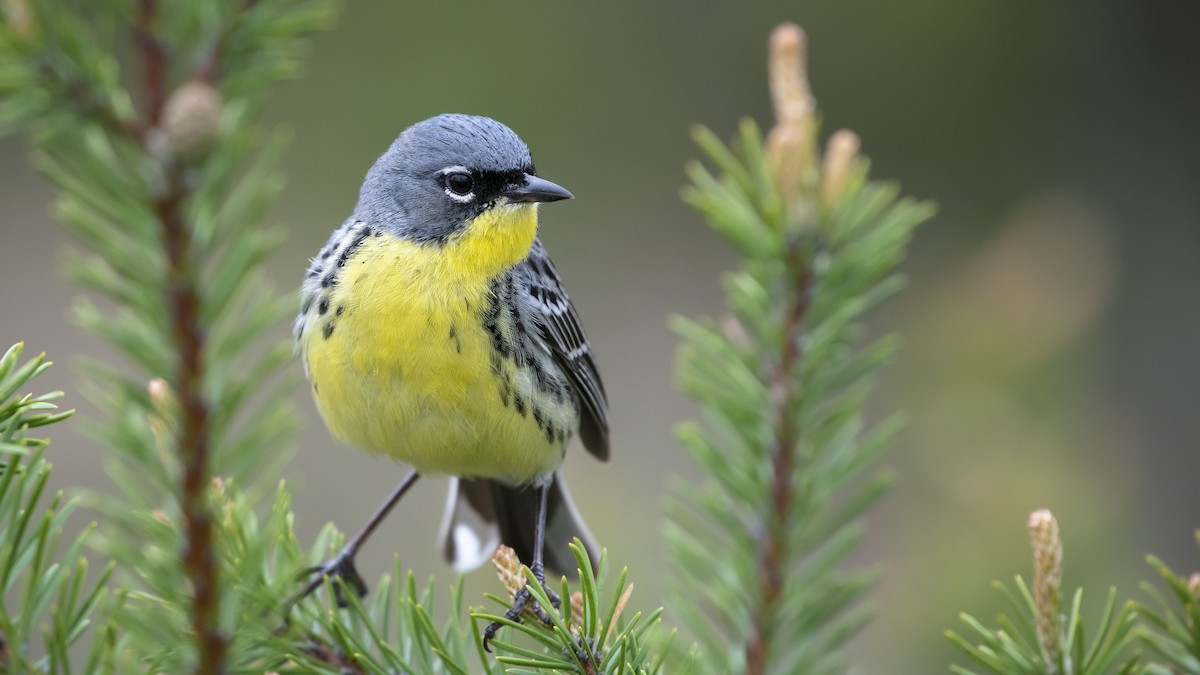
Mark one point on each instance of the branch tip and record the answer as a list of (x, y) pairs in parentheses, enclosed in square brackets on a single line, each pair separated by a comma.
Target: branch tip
[(1047, 581), (789, 143), (788, 72), (841, 153), (19, 16)]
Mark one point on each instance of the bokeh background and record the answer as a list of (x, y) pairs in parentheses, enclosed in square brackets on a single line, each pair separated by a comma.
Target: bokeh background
[(1052, 336)]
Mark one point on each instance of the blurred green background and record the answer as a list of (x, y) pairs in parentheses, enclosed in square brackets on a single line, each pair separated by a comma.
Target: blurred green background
[(1052, 337)]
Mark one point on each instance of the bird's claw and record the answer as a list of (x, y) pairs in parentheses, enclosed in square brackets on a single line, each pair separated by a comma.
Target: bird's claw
[(342, 567), (522, 601)]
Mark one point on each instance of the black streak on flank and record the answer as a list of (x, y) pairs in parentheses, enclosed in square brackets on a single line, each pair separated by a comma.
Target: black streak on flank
[(358, 240), (329, 280), (519, 404), (490, 317), (454, 337), (340, 309), (327, 330), (323, 307)]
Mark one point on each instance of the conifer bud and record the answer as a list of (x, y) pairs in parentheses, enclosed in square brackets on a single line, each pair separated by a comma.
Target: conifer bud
[(512, 574), (789, 143), (841, 153), (19, 16), (191, 121), (1047, 581), (508, 568), (162, 414)]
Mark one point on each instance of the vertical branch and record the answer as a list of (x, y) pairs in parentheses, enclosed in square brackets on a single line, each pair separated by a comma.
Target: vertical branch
[(789, 152), (188, 338), (198, 559), (153, 58), (774, 544), (797, 410)]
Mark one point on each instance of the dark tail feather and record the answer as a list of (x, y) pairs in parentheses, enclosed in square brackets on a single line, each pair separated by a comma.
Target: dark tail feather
[(481, 513)]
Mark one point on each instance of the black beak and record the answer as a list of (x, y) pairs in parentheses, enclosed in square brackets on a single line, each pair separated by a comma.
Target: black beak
[(536, 190)]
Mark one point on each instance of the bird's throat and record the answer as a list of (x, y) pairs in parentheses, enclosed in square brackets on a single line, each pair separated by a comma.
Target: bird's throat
[(494, 241)]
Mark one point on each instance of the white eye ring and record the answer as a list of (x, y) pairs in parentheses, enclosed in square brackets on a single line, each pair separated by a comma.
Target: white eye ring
[(460, 198)]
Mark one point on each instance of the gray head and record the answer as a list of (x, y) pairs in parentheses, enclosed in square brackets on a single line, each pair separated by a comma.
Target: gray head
[(441, 173)]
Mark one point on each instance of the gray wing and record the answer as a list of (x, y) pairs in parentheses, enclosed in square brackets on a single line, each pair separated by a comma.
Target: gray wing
[(559, 327)]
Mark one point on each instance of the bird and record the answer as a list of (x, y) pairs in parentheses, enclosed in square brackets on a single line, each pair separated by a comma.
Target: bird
[(435, 330)]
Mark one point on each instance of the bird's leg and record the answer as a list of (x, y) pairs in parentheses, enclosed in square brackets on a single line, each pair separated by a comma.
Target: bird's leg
[(342, 565), (523, 597)]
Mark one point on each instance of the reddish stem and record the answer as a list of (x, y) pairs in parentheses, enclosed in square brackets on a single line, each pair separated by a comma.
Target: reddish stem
[(153, 61), (773, 542), (188, 336)]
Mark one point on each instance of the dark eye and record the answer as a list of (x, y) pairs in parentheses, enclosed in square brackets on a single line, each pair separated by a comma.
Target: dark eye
[(460, 183)]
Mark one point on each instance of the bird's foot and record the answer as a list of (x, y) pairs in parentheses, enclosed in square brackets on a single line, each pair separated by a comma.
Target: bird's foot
[(523, 601), (341, 567)]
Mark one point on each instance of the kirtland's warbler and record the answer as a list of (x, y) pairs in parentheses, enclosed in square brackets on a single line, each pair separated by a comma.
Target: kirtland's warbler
[(434, 330)]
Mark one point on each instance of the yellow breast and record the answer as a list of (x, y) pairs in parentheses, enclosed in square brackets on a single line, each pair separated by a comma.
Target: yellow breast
[(400, 361)]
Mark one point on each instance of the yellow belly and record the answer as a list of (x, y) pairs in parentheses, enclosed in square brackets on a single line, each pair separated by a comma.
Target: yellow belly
[(401, 365)]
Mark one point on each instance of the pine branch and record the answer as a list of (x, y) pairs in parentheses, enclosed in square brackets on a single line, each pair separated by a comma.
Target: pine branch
[(1171, 628), (773, 555), (159, 198), (1040, 638), (193, 442), (783, 385), (48, 586)]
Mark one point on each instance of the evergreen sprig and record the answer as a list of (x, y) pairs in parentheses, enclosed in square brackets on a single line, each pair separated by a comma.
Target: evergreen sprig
[(394, 630), (1039, 639), (1171, 629), (588, 633), (165, 186), (49, 598), (788, 460)]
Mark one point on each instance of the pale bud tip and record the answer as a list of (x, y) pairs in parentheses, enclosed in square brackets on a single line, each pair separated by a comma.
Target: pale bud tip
[(1047, 579), (787, 38), (789, 143), (1041, 519), (841, 153), (160, 392), (788, 73), (20, 18)]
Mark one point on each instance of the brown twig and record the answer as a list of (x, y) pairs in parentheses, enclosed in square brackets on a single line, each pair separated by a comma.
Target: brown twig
[(334, 657), (153, 59), (789, 151), (773, 542), (198, 559), (187, 334)]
